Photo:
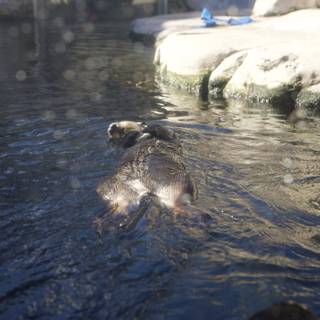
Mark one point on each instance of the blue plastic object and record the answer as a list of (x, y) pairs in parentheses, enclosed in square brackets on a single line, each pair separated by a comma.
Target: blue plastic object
[(206, 14), (207, 17), (210, 21), (239, 21)]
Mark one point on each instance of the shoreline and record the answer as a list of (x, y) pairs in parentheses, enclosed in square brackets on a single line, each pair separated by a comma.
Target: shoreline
[(272, 60)]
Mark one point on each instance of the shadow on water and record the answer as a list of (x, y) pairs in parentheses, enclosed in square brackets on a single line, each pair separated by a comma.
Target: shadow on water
[(258, 176)]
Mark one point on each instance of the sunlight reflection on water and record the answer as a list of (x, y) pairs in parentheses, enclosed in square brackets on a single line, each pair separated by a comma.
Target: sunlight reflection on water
[(258, 176)]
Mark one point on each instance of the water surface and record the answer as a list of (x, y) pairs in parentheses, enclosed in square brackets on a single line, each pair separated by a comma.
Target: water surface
[(258, 176)]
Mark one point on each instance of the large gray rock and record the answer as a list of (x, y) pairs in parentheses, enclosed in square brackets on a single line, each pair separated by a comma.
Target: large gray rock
[(277, 7), (273, 60), (265, 76), (269, 75), (221, 76)]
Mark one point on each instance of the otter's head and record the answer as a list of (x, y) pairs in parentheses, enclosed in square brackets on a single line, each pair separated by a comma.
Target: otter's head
[(128, 133), (125, 133)]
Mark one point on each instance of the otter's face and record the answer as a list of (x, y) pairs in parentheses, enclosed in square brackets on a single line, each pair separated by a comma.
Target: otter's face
[(125, 133)]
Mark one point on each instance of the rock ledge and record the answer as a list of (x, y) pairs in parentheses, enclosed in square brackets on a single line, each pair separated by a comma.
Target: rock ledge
[(273, 60)]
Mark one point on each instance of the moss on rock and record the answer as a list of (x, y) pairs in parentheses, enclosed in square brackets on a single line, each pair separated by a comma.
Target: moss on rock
[(195, 83), (309, 98)]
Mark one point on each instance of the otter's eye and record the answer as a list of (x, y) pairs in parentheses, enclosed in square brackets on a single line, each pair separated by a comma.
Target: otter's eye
[(112, 128), (114, 131)]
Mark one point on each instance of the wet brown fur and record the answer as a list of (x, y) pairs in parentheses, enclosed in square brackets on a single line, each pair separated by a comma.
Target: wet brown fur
[(152, 164)]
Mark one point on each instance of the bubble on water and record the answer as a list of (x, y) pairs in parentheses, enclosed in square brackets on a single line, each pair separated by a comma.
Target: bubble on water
[(58, 22), (89, 85), (90, 63), (68, 36), (96, 96), (287, 162), (13, 31), (58, 134), (21, 75), (26, 28), (288, 179), (103, 75), (75, 182), (49, 115), (69, 74), (88, 27), (60, 47), (72, 114)]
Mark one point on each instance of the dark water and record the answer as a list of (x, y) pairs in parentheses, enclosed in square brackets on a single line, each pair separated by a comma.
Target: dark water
[(258, 176)]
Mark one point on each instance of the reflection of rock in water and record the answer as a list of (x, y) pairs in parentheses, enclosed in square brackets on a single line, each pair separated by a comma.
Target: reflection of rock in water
[(284, 311), (21, 8)]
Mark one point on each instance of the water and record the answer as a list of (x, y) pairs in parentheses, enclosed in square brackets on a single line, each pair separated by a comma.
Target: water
[(257, 170)]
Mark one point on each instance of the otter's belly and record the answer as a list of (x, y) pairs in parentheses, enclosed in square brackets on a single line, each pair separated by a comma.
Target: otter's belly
[(173, 195), (138, 187), (169, 194)]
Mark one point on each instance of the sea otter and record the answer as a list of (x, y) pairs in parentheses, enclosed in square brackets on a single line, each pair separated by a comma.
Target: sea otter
[(285, 310), (152, 164)]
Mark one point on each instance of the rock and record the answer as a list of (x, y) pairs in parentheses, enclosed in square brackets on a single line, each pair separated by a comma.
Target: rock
[(309, 99), (271, 60), (266, 75), (224, 73), (287, 310), (187, 64), (277, 7), (276, 75)]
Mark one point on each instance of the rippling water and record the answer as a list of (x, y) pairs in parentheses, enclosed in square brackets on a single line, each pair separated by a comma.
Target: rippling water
[(257, 170)]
